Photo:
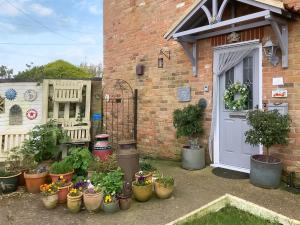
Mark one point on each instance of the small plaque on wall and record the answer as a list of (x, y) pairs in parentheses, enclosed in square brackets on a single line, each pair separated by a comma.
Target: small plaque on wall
[(184, 94)]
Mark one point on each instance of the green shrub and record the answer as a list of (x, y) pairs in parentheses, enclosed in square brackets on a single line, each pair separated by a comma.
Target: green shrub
[(61, 167), (43, 142), (4, 173), (189, 121), (112, 182), (268, 128), (104, 166), (80, 159)]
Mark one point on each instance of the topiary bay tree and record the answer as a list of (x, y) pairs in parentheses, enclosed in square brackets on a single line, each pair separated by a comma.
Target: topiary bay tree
[(189, 123), (268, 128)]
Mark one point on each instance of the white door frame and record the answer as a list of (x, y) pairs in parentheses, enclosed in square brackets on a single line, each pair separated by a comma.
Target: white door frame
[(216, 144)]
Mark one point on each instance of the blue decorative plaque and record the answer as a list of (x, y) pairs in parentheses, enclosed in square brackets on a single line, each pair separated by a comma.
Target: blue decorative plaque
[(97, 117), (184, 94)]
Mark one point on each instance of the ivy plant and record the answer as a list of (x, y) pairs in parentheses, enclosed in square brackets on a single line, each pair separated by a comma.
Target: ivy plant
[(268, 128)]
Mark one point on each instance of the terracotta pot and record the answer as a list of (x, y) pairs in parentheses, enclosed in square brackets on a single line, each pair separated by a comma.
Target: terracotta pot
[(74, 203), (9, 184), (92, 202), (50, 202), (63, 193), (142, 193), (163, 192), (67, 176), (111, 207), (21, 177), (148, 176), (125, 202), (34, 181)]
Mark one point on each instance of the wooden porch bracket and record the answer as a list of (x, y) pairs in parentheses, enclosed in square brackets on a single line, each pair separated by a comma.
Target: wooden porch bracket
[(190, 49), (280, 29)]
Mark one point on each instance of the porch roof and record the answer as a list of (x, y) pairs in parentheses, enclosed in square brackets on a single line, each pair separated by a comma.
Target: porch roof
[(204, 19), (274, 5)]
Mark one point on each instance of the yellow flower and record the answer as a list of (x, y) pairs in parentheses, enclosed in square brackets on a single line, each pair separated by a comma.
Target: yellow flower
[(61, 177)]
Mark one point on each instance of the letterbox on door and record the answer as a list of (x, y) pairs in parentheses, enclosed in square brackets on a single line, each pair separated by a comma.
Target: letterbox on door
[(282, 108)]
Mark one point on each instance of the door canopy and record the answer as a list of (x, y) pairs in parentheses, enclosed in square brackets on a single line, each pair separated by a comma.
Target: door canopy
[(209, 18)]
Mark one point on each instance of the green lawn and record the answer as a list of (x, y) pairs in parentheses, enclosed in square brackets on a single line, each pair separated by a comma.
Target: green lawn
[(228, 216)]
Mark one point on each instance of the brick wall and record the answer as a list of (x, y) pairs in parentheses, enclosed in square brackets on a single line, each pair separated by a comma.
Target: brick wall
[(134, 34)]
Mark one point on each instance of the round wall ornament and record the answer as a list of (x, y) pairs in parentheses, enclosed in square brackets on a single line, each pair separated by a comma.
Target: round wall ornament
[(31, 114), (11, 94), (30, 95), (239, 103)]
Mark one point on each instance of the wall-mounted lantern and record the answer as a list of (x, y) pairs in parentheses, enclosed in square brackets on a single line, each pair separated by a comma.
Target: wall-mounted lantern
[(270, 50), (163, 53), (139, 70)]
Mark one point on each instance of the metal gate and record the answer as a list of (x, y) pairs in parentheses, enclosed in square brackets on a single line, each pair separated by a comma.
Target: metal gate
[(119, 110)]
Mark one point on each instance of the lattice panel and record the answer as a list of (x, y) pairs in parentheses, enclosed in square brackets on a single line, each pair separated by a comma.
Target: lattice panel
[(2, 105)]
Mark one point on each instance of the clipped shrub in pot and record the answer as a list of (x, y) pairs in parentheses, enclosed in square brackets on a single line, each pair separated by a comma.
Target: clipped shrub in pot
[(8, 181), (268, 128), (61, 169), (49, 195), (164, 187), (189, 123)]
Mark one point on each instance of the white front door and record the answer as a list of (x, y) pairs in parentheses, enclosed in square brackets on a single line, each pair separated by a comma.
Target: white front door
[(233, 151)]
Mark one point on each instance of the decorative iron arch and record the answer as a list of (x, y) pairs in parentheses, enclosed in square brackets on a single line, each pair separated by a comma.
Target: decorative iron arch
[(15, 115), (119, 110)]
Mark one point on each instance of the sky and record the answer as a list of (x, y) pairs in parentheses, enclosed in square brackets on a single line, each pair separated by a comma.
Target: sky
[(41, 31)]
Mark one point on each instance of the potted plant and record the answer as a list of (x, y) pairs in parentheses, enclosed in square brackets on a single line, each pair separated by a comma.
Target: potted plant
[(189, 123), (268, 128), (142, 189), (112, 184), (125, 197), (74, 200), (92, 198), (49, 195), (64, 187), (34, 178), (61, 169), (8, 181), (15, 163), (164, 187)]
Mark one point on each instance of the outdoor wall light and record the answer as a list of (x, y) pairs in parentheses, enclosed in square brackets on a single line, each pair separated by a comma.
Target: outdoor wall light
[(162, 54), (270, 50)]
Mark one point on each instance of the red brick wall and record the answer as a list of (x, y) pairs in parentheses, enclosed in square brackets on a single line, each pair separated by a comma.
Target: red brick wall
[(134, 32)]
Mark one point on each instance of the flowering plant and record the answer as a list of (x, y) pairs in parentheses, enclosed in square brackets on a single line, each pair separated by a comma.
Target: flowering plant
[(62, 182), (49, 189), (142, 181), (108, 199), (74, 192), (81, 185)]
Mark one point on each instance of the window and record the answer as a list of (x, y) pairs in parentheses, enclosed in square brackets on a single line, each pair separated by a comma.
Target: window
[(2, 105), (15, 115), (248, 79)]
